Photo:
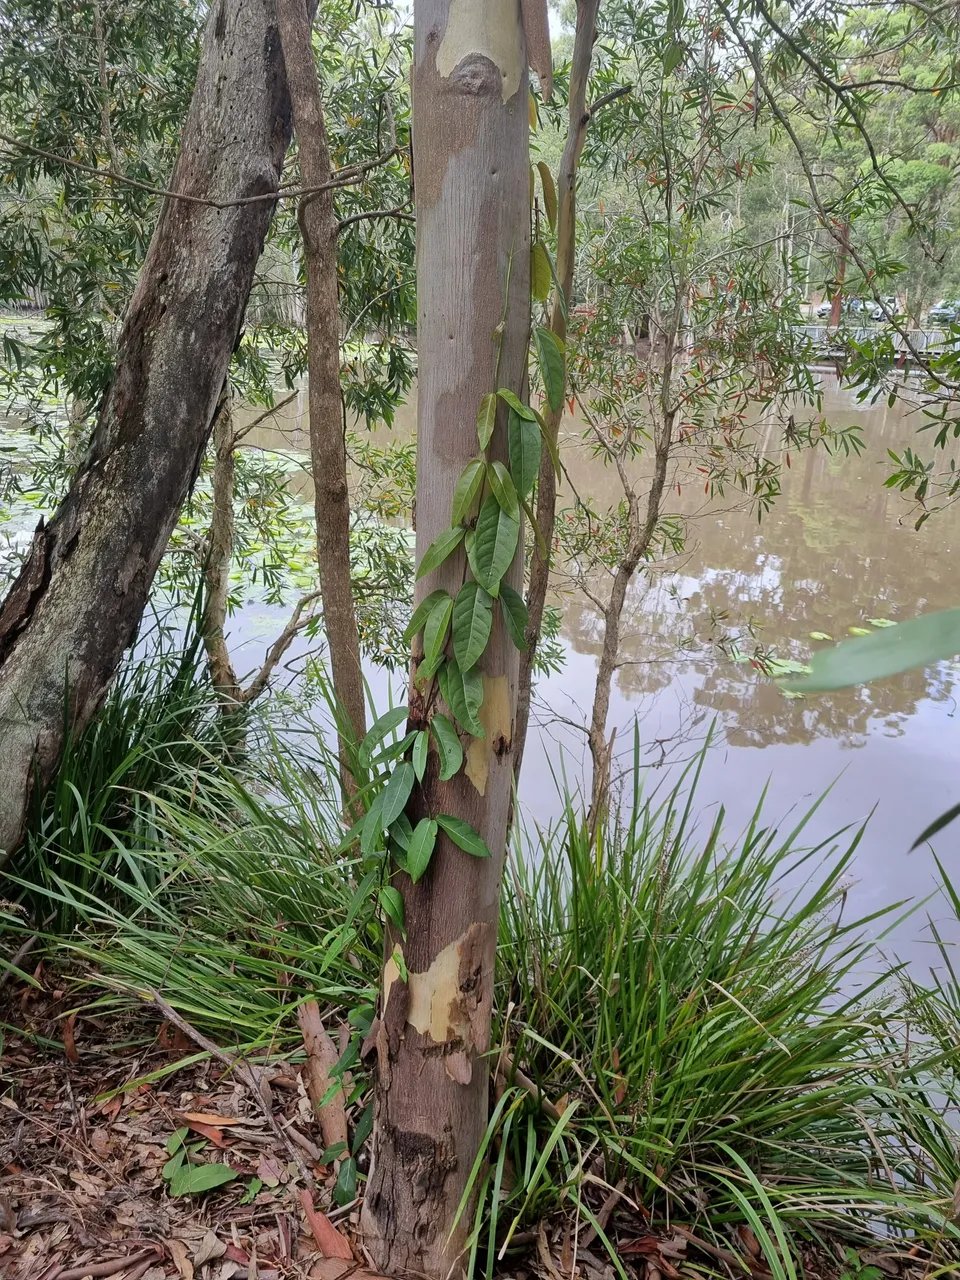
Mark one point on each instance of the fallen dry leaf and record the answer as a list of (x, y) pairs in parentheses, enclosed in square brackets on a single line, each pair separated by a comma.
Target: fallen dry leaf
[(270, 1171), (181, 1255), (329, 1240), (207, 1131), (210, 1247), (209, 1117), (69, 1040)]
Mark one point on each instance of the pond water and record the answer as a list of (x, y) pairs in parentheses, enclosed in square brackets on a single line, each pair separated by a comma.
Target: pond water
[(836, 549)]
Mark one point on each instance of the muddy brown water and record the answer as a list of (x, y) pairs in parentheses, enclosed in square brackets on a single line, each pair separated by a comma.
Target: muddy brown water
[(836, 549)]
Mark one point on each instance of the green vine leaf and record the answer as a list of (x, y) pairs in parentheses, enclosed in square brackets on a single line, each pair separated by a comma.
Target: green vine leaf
[(192, 1179), (448, 746), (539, 272), (380, 728), (396, 793), (523, 442), (503, 489), (401, 831), (467, 488), (550, 358), (421, 848), (418, 758), (515, 615), (512, 402), (439, 550), (472, 624), (420, 615), (463, 835), (486, 418), (463, 693), (494, 544), (434, 637), (549, 193), (392, 905)]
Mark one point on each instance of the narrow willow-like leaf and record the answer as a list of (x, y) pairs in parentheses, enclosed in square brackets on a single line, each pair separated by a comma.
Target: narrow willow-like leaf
[(539, 272), (486, 418), (434, 637), (523, 442), (420, 615), (439, 549), (515, 615), (550, 359), (466, 490), (463, 835), (549, 193), (418, 757), (472, 624), (503, 489), (537, 531), (514, 403), (918, 642), (448, 746), (463, 693), (495, 542), (396, 793), (421, 848)]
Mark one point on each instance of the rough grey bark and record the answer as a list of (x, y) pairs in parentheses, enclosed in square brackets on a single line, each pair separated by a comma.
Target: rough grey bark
[(328, 452), (79, 598), (578, 120), (471, 150)]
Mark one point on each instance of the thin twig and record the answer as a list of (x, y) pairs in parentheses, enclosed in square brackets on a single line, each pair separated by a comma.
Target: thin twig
[(244, 1073), (395, 212)]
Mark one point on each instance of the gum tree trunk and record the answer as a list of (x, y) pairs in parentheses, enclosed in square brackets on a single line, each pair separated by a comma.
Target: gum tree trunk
[(328, 453), (471, 152), (79, 598)]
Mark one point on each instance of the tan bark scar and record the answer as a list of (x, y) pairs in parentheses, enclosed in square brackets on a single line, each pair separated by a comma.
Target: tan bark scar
[(497, 727), (491, 29), (451, 1000)]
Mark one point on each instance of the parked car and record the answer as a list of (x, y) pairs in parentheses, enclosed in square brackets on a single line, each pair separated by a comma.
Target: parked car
[(855, 308), (946, 311), (886, 309)]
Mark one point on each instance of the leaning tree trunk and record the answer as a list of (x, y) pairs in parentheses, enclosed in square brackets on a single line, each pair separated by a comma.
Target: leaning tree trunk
[(578, 120), (80, 595), (328, 451), (471, 151)]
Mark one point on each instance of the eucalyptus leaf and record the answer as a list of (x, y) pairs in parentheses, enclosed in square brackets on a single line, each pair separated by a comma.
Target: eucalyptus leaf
[(495, 543), (439, 550), (503, 489), (463, 835), (421, 848), (523, 441), (486, 418), (448, 746), (472, 624), (515, 615), (919, 642), (467, 488), (550, 357)]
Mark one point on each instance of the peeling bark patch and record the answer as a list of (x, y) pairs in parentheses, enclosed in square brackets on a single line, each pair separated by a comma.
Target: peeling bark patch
[(488, 30), (450, 1001), (498, 731)]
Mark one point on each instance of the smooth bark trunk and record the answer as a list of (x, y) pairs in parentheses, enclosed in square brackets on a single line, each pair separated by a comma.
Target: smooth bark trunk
[(218, 555), (79, 598), (472, 187), (318, 227), (579, 119)]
